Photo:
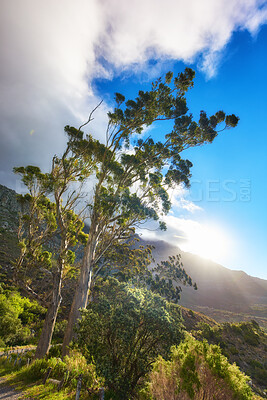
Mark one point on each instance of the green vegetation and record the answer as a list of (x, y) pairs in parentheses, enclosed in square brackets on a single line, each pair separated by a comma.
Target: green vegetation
[(30, 378), (122, 333), (196, 370), (20, 318), (244, 343), (256, 312), (123, 330)]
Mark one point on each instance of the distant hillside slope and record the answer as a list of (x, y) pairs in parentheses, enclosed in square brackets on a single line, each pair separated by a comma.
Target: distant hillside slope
[(223, 294)]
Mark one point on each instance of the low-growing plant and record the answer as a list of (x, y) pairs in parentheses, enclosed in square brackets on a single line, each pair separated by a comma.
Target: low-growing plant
[(35, 371), (76, 364), (196, 370)]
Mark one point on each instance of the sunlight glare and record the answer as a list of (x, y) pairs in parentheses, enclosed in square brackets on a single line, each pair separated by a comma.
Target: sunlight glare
[(206, 241)]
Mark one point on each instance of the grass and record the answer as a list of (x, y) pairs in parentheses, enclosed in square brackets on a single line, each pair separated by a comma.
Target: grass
[(29, 379), (36, 390)]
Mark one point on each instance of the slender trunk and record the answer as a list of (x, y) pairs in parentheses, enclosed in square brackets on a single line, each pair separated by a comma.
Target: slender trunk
[(50, 319), (80, 299)]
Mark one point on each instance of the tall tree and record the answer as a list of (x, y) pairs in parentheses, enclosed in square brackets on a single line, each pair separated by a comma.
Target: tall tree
[(44, 220), (132, 178)]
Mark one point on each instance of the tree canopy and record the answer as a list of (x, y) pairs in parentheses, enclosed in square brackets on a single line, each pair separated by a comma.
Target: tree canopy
[(133, 176)]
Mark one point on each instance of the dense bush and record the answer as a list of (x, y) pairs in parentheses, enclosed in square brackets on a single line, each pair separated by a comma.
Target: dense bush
[(76, 364), (124, 329), (19, 318), (249, 331), (196, 370)]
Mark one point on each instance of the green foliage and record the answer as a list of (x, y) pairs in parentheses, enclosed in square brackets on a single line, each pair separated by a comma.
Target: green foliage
[(123, 330), (36, 370), (76, 364), (258, 372), (59, 330), (18, 316), (197, 370), (70, 368), (125, 260), (165, 278), (238, 341), (156, 166), (248, 331), (55, 351)]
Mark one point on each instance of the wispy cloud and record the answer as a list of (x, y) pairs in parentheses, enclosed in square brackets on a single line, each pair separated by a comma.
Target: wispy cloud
[(52, 50)]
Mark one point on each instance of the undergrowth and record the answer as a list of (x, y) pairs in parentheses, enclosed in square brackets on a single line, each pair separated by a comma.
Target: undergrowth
[(29, 378)]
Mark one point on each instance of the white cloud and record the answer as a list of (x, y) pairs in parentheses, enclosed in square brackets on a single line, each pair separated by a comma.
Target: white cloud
[(52, 50), (180, 202)]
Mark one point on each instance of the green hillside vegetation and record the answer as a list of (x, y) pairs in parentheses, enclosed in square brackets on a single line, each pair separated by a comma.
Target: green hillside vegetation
[(244, 343), (21, 321), (196, 370), (120, 336)]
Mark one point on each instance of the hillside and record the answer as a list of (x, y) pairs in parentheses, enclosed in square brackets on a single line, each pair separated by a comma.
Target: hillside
[(223, 294), (244, 343)]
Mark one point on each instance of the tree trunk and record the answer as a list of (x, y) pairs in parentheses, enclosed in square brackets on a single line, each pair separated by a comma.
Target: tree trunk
[(81, 294), (50, 318)]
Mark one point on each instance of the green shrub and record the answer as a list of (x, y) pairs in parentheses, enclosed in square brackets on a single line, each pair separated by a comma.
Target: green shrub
[(251, 338), (124, 330), (55, 351), (249, 331), (2, 343), (18, 316), (76, 364), (36, 370), (196, 370)]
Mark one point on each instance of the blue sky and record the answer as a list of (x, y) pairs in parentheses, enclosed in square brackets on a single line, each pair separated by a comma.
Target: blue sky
[(228, 177), (58, 59)]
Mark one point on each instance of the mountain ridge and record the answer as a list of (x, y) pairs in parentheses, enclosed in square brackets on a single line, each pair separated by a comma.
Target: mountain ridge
[(223, 294)]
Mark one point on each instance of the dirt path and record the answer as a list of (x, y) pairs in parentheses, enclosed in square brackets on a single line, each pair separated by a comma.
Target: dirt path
[(8, 393)]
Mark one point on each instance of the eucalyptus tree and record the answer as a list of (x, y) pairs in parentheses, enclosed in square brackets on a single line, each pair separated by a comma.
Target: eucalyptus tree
[(166, 278), (132, 178), (49, 222)]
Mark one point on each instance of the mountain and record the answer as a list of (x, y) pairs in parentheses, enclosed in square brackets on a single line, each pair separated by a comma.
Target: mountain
[(223, 294)]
